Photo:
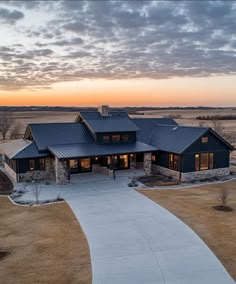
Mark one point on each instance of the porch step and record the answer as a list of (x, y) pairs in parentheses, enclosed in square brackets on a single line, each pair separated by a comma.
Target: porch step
[(6, 185)]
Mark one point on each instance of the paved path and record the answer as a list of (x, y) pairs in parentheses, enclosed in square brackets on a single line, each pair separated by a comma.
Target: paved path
[(133, 240)]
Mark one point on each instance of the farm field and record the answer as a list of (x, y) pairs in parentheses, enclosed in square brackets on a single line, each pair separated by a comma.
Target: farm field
[(194, 207)]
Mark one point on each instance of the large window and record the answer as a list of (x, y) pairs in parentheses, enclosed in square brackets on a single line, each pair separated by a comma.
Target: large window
[(174, 162), (204, 161), (204, 139), (73, 164), (85, 165)]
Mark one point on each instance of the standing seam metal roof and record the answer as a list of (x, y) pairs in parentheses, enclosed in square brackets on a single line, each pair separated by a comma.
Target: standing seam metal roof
[(88, 150), (114, 122), (47, 134)]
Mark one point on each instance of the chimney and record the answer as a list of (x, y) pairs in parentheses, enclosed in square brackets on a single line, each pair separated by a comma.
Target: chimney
[(104, 110)]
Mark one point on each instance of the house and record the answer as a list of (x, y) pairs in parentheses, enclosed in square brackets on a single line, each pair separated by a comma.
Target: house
[(104, 140)]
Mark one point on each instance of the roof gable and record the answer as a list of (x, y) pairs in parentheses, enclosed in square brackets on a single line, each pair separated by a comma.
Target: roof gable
[(46, 134), (116, 121)]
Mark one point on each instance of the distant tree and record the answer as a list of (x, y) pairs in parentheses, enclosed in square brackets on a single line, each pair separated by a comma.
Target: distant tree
[(6, 122), (15, 130)]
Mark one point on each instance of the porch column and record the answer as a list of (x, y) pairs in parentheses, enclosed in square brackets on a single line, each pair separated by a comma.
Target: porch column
[(132, 161), (61, 171), (147, 163)]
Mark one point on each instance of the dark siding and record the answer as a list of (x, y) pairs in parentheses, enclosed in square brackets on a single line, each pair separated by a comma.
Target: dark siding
[(162, 159), (213, 144), (132, 137), (23, 165)]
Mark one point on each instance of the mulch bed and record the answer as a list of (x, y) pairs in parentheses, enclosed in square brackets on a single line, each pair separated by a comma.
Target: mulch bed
[(6, 186), (4, 253), (157, 180), (223, 208)]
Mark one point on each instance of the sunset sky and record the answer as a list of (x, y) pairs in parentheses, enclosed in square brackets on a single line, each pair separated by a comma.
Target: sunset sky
[(139, 53)]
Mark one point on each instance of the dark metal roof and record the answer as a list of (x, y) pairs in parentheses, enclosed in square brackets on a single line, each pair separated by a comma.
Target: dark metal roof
[(47, 134), (174, 138), (30, 151), (116, 121), (146, 126), (89, 150)]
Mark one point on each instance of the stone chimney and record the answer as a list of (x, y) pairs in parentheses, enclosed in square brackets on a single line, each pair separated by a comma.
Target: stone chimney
[(104, 110)]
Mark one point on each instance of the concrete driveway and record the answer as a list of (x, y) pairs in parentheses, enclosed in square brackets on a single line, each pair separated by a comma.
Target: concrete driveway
[(134, 240)]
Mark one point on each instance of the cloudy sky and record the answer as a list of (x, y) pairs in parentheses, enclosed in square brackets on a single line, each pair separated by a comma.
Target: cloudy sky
[(118, 52)]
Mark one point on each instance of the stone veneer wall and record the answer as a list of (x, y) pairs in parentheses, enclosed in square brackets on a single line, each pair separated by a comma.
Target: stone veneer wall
[(147, 163), (50, 168), (10, 171), (61, 171), (165, 172), (132, 161), (198, 175), (205, 174), (33, 175)]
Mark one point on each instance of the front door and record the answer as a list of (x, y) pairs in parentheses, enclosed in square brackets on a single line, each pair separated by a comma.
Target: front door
[(120, 162)]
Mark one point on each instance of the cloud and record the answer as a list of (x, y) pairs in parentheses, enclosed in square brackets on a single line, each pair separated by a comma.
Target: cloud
[(121, 40), (10, 16)]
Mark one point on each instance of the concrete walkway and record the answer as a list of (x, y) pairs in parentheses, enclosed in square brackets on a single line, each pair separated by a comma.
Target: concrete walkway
[(134, 240)]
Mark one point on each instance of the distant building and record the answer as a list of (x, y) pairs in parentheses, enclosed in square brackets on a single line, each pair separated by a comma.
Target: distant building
[(102, 141)]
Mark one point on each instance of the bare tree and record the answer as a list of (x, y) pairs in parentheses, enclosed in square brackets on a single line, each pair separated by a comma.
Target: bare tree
[(223, 196), (15, 131), (36, 192), (6, 121)]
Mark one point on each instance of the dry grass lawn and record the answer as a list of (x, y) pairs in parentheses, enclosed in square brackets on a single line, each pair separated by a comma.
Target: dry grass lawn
[(194, 207), (46, 244)]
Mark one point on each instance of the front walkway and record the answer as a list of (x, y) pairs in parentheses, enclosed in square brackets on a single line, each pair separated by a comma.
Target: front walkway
[(134, 240)]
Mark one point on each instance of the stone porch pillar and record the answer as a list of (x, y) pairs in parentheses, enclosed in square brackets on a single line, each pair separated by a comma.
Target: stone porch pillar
[(132, 161), (147, 163), (61, 171)]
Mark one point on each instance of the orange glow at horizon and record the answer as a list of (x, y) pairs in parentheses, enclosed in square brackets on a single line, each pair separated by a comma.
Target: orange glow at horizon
[(212, 91)]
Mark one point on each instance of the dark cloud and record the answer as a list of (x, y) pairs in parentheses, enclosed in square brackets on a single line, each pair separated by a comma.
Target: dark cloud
[(10, 16)]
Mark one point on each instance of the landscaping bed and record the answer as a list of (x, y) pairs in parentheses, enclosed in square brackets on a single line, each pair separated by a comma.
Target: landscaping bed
[(42, 244), (195, 207), (157, 180)]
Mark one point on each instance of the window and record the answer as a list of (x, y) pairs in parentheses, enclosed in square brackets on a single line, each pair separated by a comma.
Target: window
[(116, 138), (85, 165), (204, 161), (153, 157), (31, 165), (42, 164), (173, 162), (106, 139), (125, 138), (204, 139), (73, 164)]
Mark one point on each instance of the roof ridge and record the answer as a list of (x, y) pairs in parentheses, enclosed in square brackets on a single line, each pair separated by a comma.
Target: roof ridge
[(24, 147)]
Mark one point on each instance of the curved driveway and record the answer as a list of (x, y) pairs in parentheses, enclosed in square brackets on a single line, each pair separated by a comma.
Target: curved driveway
[(134, 240)]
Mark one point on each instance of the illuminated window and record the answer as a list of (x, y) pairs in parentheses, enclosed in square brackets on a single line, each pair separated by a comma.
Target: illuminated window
[(73, 164), (116, 138), (31, 165), (106, 139), (153, 158), (173, 162), (204, 161), (204, 139)]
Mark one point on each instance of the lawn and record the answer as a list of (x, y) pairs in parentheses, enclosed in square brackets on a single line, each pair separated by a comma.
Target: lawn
[(194, 207), (46, 245)]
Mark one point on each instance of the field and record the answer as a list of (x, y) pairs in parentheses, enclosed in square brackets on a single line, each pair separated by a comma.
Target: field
[(45, 244), (194, 207)]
